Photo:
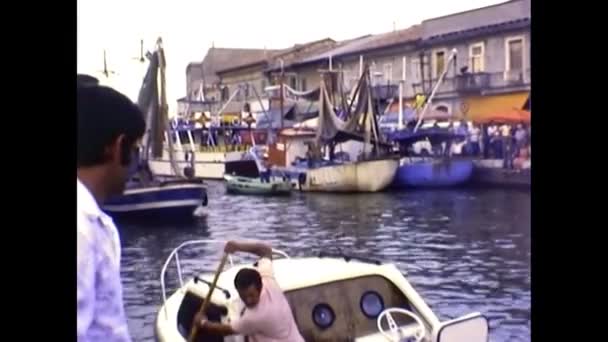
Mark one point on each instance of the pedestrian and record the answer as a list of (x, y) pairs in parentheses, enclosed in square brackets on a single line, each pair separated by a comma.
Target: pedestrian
[(474, 133), (521, 136), (109, 128), (493, 141), (507, 146)]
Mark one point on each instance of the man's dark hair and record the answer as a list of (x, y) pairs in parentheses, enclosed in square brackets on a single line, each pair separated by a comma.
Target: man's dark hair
[(247, 277), (103, 115), (83, 80)]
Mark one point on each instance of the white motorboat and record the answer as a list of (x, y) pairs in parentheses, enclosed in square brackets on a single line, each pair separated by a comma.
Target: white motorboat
[(332, 297)]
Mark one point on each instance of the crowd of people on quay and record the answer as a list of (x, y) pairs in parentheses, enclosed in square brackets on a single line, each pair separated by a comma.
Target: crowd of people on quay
[(509, 142), (491, 141)]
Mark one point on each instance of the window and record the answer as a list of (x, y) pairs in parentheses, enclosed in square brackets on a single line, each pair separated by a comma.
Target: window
[(514, 59), (263, 85), (323, 316), (292, 82), (514, 54), (388, 73), (225, 93), (373, 72), (246, 90), (416, 70), (476, 58), (371, 304), (303, 84), (439, 63)]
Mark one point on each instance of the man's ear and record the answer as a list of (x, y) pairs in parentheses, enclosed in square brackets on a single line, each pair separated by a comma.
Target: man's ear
[(114, 152)]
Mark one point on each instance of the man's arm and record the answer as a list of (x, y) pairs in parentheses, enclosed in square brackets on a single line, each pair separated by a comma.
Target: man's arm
[(244, 325), (260, 249), (217, 328)]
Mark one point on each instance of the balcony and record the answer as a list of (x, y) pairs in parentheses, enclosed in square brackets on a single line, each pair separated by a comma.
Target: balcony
[(472, 83), (446, 87), (512, 80)]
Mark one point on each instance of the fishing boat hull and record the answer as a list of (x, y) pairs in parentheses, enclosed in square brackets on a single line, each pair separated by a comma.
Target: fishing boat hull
[(254, 186), (207, 165), (424, 172), (361, 176), (167, 202)]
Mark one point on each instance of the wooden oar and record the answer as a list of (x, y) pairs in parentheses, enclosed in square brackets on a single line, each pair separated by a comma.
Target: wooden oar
[(203, 308)]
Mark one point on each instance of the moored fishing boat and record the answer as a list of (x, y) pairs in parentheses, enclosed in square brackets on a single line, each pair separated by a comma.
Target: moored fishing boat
[(430, 166), (365, 163), (147, 196), (427, 152), (257, 186), (333, 297), (359, 176), (169, 201)]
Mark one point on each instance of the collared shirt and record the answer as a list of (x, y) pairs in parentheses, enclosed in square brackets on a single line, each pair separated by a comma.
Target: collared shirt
[(100, 311), (271, 320)]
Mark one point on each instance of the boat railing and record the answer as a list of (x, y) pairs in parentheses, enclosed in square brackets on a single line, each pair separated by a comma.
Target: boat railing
[(175, 255)]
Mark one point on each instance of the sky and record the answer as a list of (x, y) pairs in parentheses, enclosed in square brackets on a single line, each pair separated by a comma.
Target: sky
[(189, 27)]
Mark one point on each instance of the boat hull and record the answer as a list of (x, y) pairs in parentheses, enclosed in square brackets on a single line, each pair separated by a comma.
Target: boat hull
[(433, 172), (207, 165), (361, 176), (167, 202), (254, 186)]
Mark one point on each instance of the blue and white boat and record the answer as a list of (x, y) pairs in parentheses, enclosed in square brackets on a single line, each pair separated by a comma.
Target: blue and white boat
[(167, 201), (147, 196)]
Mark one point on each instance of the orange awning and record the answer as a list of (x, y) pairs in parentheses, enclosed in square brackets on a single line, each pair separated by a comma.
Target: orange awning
[(513, 116), (481, 108)]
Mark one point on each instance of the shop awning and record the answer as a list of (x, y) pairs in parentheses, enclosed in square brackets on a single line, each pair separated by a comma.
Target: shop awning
[(480, 108), (513, 116)]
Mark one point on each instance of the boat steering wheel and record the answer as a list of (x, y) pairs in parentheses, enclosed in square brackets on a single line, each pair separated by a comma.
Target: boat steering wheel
[(396, 333)]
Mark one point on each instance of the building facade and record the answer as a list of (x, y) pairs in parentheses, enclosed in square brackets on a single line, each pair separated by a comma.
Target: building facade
[(490, 73), (261, 73)]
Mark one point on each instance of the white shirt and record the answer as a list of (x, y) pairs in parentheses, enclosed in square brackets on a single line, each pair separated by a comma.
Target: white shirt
[(474, 134), (100, 310)]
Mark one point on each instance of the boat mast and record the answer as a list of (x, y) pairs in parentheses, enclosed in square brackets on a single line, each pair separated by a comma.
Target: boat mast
[(439, 81), (401, 83), (281, 93), (164, 107)]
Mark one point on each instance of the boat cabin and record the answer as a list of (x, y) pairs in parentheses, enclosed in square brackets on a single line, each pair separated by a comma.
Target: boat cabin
[(332, 299)]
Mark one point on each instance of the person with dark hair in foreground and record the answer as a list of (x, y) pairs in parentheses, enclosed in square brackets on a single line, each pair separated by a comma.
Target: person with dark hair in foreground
[(109, 128), (267, 316)]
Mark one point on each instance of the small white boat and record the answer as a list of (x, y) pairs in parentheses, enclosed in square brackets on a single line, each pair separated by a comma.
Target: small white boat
[(256, 186), (333, 298)]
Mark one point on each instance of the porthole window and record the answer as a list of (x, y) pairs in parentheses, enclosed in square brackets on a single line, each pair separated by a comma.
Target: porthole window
[(323, 316), (371, 304)]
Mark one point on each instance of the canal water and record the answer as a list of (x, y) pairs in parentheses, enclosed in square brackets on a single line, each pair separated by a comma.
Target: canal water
[(464, 250)]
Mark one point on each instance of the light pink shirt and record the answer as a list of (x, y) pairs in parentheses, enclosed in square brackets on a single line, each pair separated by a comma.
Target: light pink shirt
[(271, 320)]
